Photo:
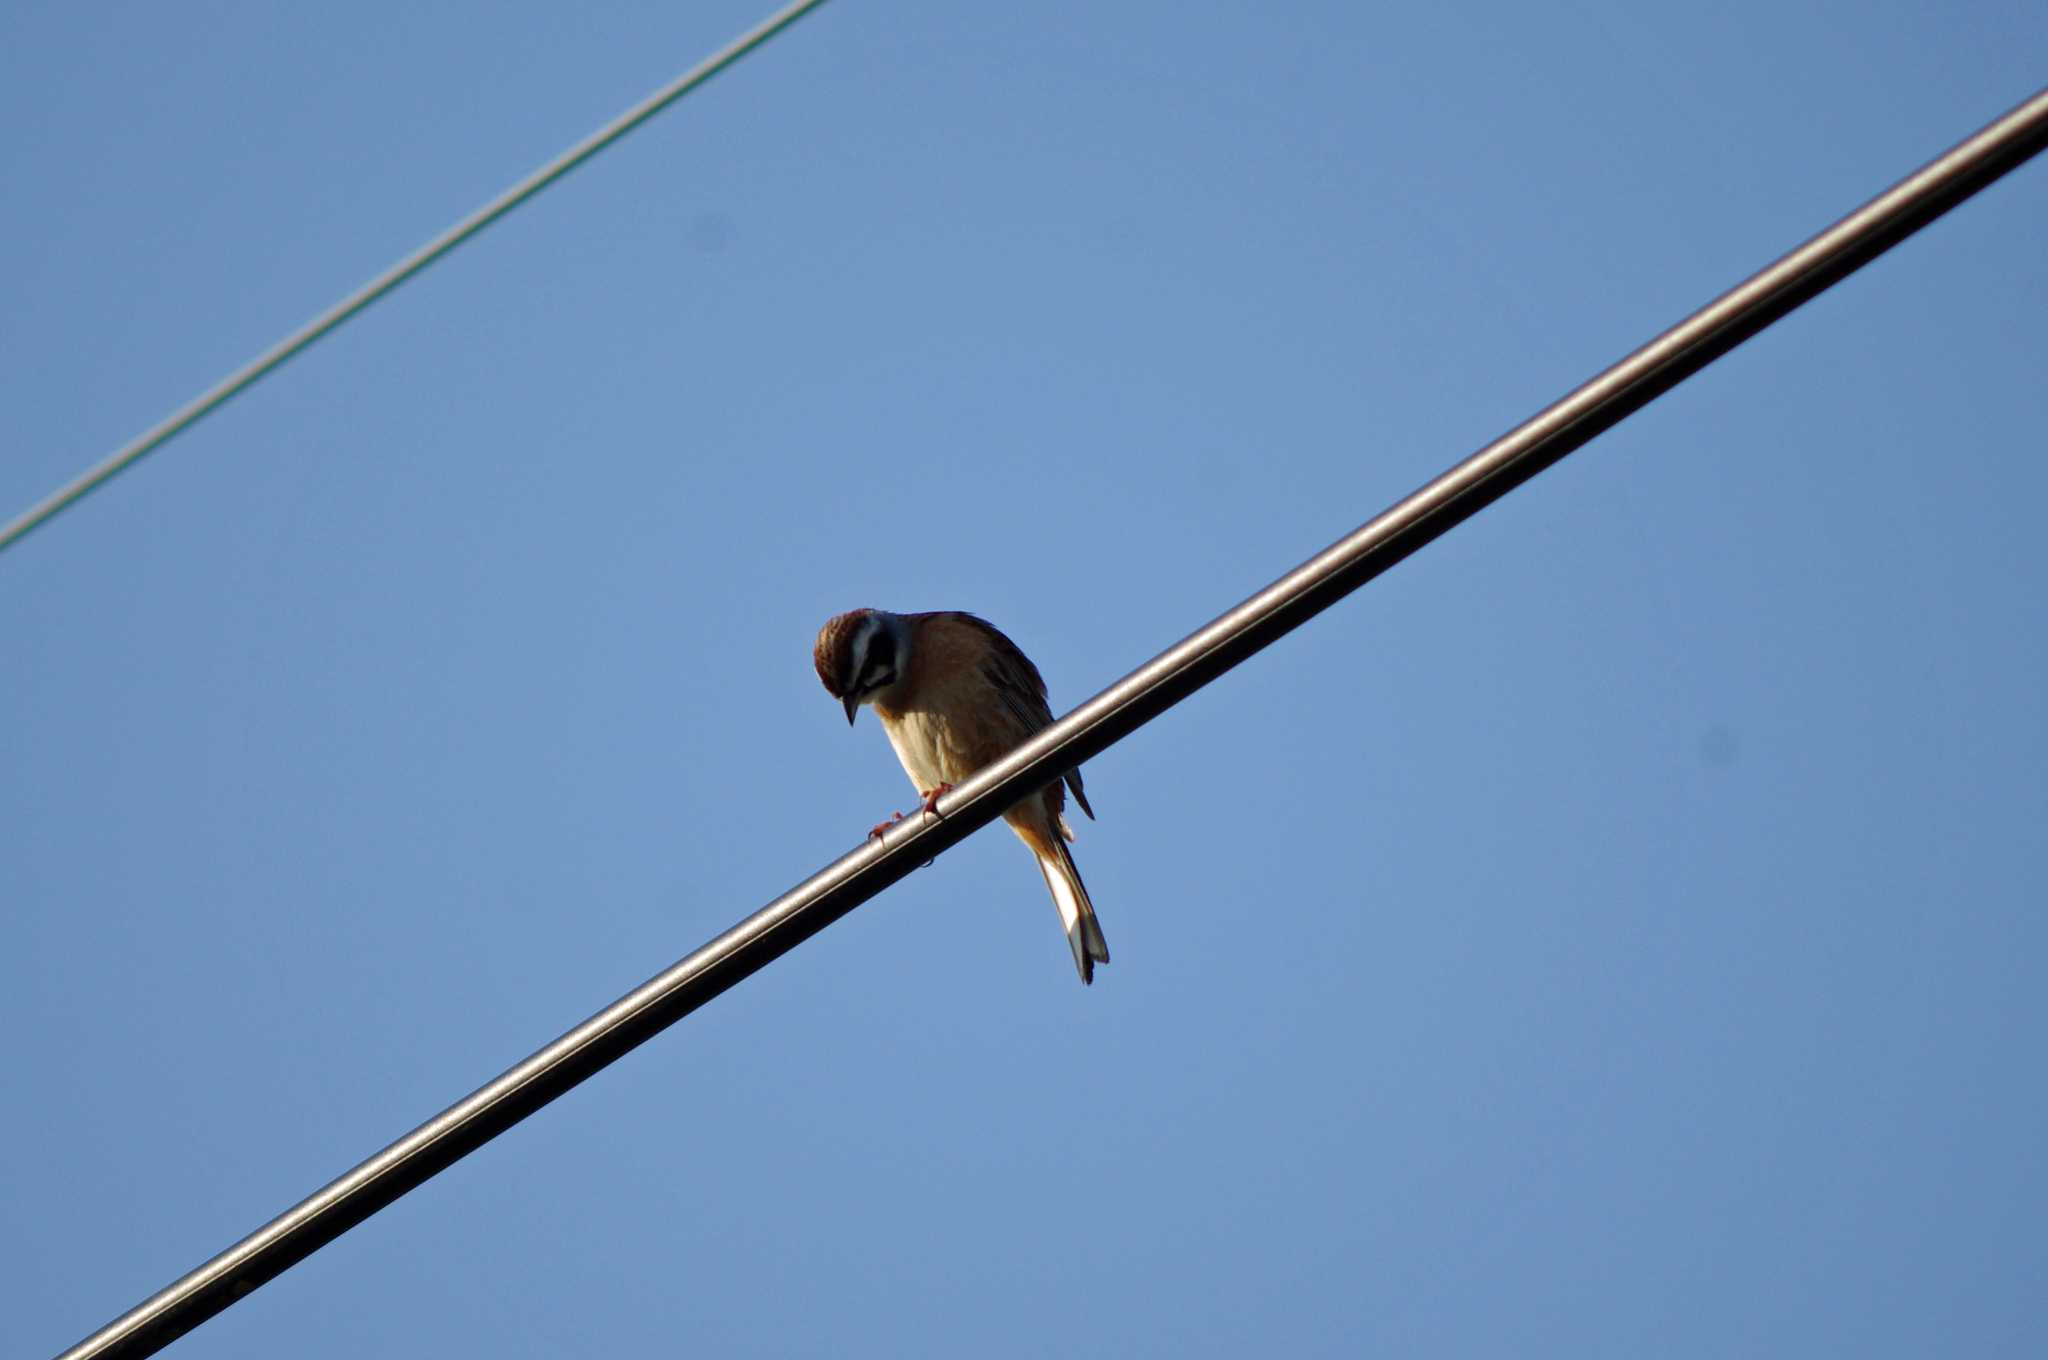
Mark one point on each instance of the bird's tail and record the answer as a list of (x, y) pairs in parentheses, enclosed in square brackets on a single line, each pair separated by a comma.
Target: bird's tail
[(1070, 895)]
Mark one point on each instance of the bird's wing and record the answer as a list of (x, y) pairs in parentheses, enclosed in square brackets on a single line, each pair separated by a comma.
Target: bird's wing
[(1019, 690)]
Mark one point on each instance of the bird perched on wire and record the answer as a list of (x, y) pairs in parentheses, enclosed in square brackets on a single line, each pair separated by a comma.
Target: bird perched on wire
[(953, 694)]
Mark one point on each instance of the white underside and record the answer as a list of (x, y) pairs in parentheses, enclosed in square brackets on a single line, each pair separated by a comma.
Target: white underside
[(915, 739), (916, 744)]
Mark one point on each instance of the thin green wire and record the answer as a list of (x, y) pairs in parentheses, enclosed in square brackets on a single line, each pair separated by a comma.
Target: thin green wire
[(242, 379)]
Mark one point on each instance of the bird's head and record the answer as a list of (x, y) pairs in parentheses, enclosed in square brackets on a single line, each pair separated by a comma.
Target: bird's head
[(860, 654)]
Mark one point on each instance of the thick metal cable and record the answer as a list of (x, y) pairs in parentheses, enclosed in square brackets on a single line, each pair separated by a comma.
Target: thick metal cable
[(242, 379), (1140, 696)]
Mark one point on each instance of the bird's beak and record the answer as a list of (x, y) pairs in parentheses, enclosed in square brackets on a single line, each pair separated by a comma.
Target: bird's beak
[(852, 706)]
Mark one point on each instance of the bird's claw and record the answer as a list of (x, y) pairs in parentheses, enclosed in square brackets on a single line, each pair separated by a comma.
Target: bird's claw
[(930, 804)]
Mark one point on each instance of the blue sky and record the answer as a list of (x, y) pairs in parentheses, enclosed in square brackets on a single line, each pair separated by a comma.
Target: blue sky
[(1618, 930)]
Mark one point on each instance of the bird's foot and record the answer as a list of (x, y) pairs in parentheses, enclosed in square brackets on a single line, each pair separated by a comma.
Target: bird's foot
[(875, 833), (931, 800)]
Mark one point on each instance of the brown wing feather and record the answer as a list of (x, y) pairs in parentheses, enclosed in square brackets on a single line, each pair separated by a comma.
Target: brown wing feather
[(1020, 689)]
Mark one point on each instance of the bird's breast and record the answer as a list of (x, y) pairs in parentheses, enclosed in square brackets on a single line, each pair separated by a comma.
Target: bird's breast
[(929, 746)]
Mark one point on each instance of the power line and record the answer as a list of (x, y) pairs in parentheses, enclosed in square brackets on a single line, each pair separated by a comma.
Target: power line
[(239, 381), (1114, 713)]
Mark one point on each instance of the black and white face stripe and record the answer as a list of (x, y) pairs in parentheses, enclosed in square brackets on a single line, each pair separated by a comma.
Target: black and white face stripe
[(873, 656), (873, 660)]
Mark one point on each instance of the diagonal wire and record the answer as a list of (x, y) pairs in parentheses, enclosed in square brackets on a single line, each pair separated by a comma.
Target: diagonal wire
[(1111, 715), (292, 345)]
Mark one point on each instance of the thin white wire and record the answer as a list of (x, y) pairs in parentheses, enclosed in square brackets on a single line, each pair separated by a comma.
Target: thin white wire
[(239, 381)]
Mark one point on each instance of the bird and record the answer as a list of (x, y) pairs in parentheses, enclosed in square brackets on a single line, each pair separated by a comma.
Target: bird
[(953, 694)]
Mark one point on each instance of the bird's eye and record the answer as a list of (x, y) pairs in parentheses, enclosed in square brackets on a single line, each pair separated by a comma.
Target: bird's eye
[(879, 665)]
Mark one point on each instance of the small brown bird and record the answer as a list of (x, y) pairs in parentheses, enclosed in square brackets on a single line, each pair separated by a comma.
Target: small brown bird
[(954, 695)]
